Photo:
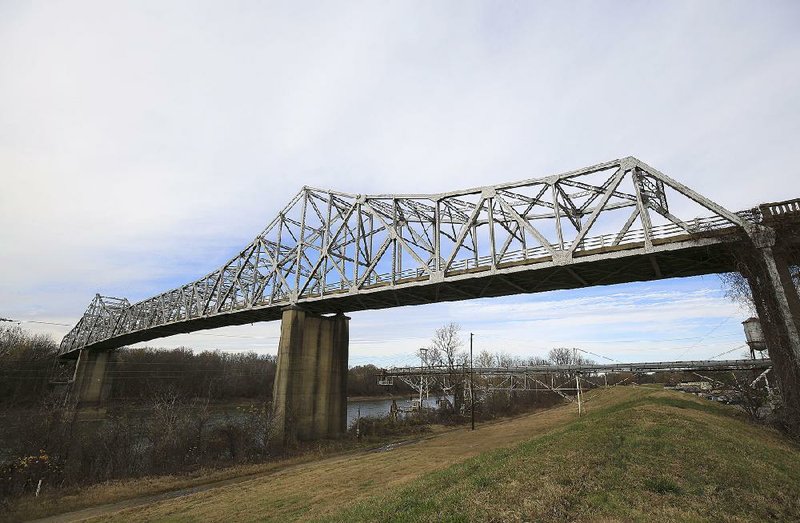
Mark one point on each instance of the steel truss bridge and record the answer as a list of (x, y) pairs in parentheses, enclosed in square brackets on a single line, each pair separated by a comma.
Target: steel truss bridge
[(587, 368), (331, 252), (561, 379)]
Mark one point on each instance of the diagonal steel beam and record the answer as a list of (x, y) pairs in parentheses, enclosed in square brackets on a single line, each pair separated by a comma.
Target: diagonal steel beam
[(597, 210)]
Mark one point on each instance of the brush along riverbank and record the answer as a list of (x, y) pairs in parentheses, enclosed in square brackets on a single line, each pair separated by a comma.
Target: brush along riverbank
[(638, 453)]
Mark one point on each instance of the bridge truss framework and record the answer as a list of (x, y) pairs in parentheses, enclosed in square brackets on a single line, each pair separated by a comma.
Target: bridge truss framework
[(564, 380), (331, 251)]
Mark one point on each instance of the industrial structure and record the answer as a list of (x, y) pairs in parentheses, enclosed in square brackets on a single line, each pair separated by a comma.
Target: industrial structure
[(586, 368), (329, 253), (564, 380)]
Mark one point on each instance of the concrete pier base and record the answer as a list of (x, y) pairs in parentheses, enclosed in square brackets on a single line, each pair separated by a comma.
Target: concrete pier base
[(86, 405), (310, 391), (91, 387)]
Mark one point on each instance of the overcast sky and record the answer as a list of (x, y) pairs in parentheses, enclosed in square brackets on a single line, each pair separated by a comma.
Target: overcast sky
[(143, 143)]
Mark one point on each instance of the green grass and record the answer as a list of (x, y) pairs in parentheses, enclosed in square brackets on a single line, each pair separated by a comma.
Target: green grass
[(662, 456)]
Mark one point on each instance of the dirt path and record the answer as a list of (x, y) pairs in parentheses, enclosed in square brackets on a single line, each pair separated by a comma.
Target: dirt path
[(310, 490), (88, 513)]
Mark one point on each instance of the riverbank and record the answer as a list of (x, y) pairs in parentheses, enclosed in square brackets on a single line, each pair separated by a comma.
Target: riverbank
[(153, 488), (120, 492), (638, 453)]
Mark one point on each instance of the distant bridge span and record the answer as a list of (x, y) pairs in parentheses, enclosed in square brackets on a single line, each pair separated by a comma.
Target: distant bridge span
[(585, 368), (330, 252), (534, 377)]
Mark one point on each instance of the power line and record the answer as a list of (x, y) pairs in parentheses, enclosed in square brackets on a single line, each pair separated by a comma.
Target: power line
[(35, 321), (725, 320), (599, 355), (233, 336), (629, 340), (728, 351)]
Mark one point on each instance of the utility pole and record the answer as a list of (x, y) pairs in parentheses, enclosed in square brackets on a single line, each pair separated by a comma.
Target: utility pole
[(423, 356), (471, 382), (577, 380)]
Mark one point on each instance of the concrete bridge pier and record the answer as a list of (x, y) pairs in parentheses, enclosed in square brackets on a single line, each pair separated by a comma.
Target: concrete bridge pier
[(91, 387), (310, 391), (86, 402)]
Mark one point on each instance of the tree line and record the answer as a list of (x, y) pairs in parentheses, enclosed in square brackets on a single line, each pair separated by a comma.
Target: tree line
[(176, 410), (28, 369)]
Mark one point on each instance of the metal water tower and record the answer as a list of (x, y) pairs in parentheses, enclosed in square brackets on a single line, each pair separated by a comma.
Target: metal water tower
[(754, 335)]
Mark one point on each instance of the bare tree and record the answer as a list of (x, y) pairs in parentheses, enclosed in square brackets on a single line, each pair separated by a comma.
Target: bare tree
[(753, 397), (504, 359), (484, 359), (445, 349), (566, 356), (535, 360), (737, 288)]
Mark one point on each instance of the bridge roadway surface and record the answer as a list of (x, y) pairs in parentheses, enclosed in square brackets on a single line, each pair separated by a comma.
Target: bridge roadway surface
[(332, 252)]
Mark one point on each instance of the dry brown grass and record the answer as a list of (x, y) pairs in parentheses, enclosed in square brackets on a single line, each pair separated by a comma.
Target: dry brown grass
[(122, 490), (324, 487), (96, 499), (490, 465)]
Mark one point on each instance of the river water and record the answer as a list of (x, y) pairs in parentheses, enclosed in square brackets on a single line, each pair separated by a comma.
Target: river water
[(379, 408)]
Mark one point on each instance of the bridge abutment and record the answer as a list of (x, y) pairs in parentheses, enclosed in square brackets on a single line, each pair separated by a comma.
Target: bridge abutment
[(310, 391)]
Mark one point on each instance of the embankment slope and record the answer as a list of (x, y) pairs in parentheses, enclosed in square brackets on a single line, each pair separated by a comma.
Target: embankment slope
[(638, 454)]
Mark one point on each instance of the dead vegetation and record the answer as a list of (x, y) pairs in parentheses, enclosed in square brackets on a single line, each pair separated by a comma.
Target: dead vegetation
[(639, 454)]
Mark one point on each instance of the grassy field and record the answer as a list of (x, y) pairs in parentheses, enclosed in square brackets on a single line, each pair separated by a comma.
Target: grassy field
[(639, 454), (658, 456)]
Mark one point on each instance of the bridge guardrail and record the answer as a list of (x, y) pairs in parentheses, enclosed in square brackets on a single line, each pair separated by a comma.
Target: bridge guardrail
[(770, 211)]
